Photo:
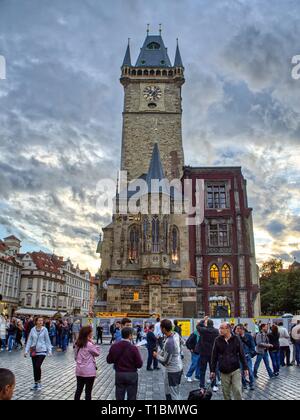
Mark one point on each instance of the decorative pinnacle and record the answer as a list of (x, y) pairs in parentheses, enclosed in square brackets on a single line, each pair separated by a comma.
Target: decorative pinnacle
[(160, 29), (148, 28)]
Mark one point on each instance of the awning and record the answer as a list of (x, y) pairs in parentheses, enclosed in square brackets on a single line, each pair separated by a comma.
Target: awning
[(38, 312)]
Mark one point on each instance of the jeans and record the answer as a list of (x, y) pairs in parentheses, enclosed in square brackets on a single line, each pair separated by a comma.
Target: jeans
[(275, 357), (3, 343), (285, 352), (65, 342), (11, 342), (88, 383), (265, 358), (297, 346), (204, 361), (58, 340), (126, 383), (251, 374), (151, 360), (37, 362), (194, 367)]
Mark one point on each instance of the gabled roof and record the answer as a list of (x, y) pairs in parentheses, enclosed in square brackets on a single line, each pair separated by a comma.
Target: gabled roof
[(12, 238), (153, 53), (46, 262)]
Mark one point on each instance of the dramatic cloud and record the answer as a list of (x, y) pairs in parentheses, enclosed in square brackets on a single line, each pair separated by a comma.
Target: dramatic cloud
[(61, 110)]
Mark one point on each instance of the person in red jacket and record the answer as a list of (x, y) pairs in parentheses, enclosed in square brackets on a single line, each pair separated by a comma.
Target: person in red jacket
[(127, 360)]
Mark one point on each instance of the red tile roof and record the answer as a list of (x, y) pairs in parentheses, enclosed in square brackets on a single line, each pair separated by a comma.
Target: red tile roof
[(46, 262), (3, 247)]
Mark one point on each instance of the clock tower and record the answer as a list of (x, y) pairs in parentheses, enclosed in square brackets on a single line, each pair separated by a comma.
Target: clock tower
[(152, 109)]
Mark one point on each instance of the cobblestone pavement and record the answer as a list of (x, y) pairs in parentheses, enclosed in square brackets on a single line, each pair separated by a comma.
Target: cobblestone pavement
[(59, 380)]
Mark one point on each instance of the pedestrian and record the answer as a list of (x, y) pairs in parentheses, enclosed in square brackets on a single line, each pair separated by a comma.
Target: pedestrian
[(284, 340), (139, 335), (7, 384), (52, 333), (117, 334), (274, 351), (208, 335), (3, 332), (158, 334), (170, 358), (59, 326), (177, 328), (250, 352), (65, 336), (76, 327), (127, 360), (19, 335), (151, 347), (11, 334), (295, 336), (191, 345), (126, 322), (38, 346), (99, 334), (85, 356), (262, 347), (29, 324), (112, 330), (228, 354)]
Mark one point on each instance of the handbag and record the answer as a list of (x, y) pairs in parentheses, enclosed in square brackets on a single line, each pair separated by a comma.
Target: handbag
[(32, 349)]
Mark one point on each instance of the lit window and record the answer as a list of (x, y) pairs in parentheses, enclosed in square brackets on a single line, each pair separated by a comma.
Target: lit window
[(226, 275), (133, 251), (214, 275)]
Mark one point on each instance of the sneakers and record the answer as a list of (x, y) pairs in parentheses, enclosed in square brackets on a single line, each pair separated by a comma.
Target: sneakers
[(215, 389), (39, 387), (252, 388), (189, 379), (34, 387)]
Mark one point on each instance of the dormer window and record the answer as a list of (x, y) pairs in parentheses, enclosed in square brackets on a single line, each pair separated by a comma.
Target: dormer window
[(153, 46)]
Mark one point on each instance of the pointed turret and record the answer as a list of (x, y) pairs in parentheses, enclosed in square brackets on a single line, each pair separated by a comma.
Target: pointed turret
[(127, 58), (153, 53), (178, 60)]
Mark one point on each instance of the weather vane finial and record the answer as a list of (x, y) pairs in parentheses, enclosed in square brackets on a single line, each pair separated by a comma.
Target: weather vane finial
[(148, 28), (160, 28)]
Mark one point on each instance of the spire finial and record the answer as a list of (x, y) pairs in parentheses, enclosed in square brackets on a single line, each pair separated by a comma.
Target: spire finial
[(148, 28), (160, 28), (128, 41), (177, 41)]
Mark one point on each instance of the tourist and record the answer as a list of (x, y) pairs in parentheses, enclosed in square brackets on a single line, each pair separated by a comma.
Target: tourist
[(126, 322), (19, 335), (152, 347), (249, 350), (127, 360), (158, 334), (284, 340), (52, 333), (274, 351), (29, 324), (112, 330), (38, 346), (59, 326), (117, 334), (295, 337), (262, 347), (139, 334), (76, 327), (85, 356), (99, 334), (11, 334), (177, 328), (170, 358), (228, 355), (191, 345), (208, 335), (7, 384), (65, 336), (3, 332)]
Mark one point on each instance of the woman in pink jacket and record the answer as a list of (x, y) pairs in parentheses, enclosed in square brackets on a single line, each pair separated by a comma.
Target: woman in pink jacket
[(85, 355)]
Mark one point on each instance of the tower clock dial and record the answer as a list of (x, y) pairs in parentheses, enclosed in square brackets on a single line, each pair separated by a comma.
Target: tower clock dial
[(152, 93)]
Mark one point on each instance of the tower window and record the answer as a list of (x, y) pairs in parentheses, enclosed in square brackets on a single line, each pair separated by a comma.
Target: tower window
[(153, 46), (226, 275), (216, 196), (175, 245), (152, 105), (133, 249), (155, 235), (214, 275), (219, 235)]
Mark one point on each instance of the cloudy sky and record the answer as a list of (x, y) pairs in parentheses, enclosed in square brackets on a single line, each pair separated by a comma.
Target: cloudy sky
[(61, 105)]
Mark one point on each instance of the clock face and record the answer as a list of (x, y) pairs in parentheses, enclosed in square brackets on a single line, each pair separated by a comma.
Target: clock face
[(152, 93)]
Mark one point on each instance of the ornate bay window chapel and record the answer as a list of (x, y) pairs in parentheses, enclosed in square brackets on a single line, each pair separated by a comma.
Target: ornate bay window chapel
[(220, 275)]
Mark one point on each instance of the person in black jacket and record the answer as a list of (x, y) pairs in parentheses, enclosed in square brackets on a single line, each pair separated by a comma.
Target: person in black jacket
[(208, 335), (152, 347), (274, 351), (228, 352)]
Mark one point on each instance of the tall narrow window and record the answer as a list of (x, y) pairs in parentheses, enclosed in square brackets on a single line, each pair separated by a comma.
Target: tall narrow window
[(28, 300), (175, 245), (133, 251), (219, 235), (155, 235), (145, 233), (214, 275), (226, 274), (166, 235)]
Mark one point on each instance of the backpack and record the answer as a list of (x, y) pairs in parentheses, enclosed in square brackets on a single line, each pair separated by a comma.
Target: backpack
[(191, 341)]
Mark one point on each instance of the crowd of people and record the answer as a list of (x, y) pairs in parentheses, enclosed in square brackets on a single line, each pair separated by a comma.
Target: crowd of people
[(232, 353)]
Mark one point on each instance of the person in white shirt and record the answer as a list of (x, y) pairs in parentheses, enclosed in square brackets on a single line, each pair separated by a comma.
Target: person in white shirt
[(285, 350), (158, 334)]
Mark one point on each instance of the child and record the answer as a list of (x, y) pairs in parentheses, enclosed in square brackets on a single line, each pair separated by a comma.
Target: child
[(7, 384)]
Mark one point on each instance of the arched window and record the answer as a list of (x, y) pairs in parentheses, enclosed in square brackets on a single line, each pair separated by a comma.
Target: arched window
[(133, 249), (226, 274), (166, 235), (155, 235), (153, 46), (175, 245), (214, 275), (145, 233)]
